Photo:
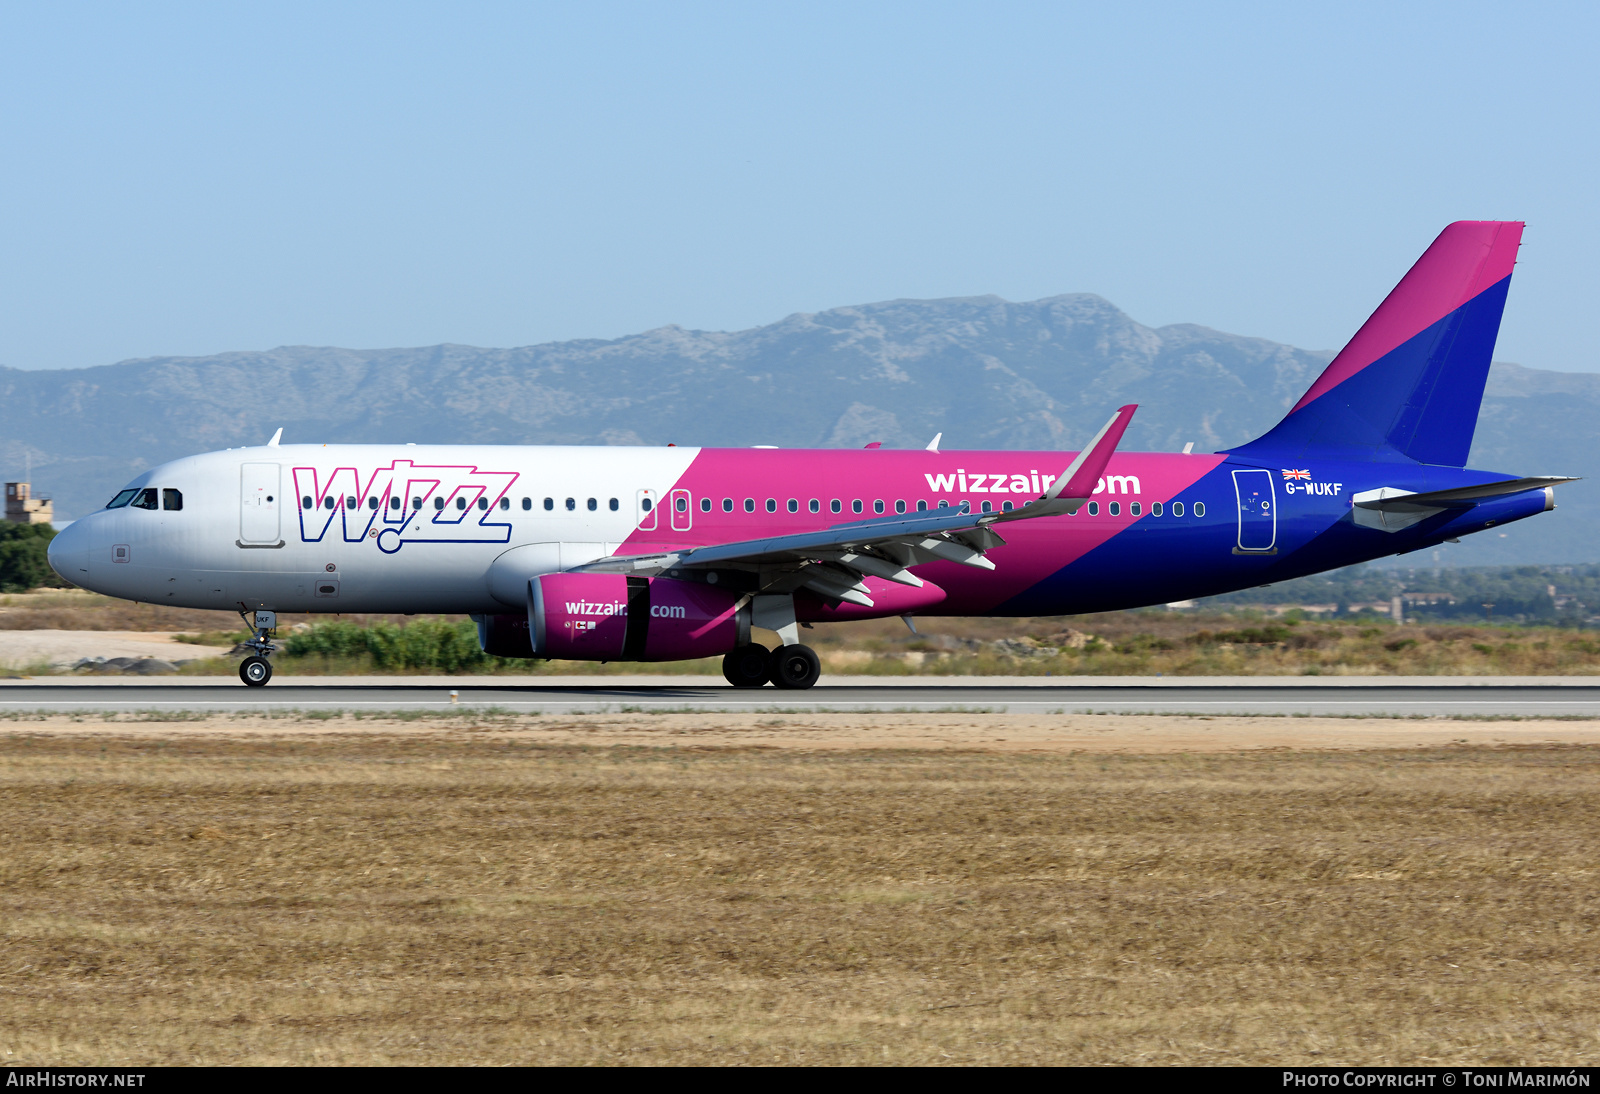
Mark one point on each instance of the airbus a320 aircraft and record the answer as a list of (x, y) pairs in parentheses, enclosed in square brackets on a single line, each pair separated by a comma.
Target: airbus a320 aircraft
[(663, 554)]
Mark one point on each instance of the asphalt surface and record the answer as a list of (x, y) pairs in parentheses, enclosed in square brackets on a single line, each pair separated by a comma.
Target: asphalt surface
[(1428, 697)]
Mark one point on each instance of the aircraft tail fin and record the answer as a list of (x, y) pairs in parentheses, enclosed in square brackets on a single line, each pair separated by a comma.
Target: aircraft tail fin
[(1410, 383)]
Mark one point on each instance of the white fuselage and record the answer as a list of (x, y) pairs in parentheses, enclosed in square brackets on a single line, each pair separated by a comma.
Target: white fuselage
[(367, 528)]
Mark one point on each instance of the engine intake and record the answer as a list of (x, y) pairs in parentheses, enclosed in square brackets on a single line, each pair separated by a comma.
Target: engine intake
[(616, 617)]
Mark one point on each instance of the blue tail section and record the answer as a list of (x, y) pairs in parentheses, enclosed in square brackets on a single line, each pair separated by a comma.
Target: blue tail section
[(1410, 384)]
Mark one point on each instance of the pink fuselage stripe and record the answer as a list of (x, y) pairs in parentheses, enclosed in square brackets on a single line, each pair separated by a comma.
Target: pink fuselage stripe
[(1468, 257), (1034, 549)]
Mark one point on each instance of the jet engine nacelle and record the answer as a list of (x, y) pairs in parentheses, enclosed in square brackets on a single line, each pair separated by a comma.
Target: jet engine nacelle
[(504, 635), (616, 617)]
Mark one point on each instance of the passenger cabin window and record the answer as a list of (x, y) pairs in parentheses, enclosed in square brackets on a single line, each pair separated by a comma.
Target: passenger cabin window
[(814, 505), (922, 506), (305, 502), (395, 503), (1005, 507), (572, 505), (593, 505), (483, 503), (772, 505), (123, 498), (749, 505), (614, 505), (372, 503), (1115, 508), (900, 506), (794, 506), (877, 507), (550, 503), (988, 507), (438, 503), (1133, 507), (1155, 509), (146, 498), (1177, 508), (416, 503), (727, 505), (173, 499), (835, 506), (527, 503), (1094, 509), (352, 502), (855, 506), (505, 504), (461, 503), (1199, 508), (705, 504)]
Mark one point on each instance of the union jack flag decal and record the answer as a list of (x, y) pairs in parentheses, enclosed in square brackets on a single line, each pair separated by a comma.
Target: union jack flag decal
[(1288, 474)]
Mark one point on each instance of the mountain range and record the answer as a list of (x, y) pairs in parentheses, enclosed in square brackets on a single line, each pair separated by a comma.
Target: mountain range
[(985, 372)]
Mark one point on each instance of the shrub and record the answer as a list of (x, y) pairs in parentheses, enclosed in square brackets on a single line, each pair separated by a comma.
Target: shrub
[(23, 564), (425, 644)]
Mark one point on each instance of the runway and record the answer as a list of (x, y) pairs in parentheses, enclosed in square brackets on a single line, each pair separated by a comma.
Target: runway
[(1542, 697)]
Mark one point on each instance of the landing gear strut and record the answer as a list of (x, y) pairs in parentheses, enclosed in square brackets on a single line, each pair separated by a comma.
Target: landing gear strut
[(256, 670)]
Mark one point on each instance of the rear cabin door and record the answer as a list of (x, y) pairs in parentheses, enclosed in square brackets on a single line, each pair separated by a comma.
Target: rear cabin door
[(259, 503), (1258, 514)]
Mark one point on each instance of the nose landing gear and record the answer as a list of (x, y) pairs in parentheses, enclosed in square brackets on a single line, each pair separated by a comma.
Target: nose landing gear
[(256, 670)]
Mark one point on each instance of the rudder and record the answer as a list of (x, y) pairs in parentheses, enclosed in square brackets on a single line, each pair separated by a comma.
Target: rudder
[(1410, 383)]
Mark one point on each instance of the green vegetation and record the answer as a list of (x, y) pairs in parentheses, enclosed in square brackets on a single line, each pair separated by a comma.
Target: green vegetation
[(23, 565), (427, 644), (1567, 596)]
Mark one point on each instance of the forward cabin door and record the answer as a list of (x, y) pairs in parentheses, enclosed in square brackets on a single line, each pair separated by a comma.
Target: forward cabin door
[(1258, 514), (259, 502), (682, 515)]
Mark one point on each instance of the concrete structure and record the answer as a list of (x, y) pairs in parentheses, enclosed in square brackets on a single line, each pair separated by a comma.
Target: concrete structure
[(23, 508)]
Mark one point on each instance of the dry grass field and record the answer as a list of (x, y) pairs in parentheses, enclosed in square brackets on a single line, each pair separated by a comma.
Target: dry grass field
[(468, 891), (1112, 643)]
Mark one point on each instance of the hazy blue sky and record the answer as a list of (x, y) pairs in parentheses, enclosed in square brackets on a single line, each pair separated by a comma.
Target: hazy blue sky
[(183, 179)]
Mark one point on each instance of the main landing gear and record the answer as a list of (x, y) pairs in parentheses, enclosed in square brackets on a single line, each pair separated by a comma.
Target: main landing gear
[(256, 670), (792, 667)]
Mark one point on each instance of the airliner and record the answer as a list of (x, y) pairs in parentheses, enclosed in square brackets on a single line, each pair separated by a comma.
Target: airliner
[(663, 554)]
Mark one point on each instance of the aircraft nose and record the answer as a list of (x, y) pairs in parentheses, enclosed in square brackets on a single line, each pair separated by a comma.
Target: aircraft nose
[(68, 553)]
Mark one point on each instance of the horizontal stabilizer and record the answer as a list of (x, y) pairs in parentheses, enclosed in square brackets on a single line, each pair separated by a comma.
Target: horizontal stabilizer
[(1392, 498), (1391, 509)]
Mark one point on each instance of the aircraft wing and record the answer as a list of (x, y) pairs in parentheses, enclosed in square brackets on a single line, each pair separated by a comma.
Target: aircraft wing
[(832, 562)]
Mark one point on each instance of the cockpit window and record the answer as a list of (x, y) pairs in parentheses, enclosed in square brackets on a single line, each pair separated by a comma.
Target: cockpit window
[(121, 499), (146, 499), (173, 499)]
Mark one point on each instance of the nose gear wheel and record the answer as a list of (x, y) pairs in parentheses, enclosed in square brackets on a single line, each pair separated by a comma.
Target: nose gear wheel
[(255, 671)]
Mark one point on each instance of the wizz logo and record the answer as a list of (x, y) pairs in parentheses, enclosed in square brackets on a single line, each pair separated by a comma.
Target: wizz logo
[(404, 503)]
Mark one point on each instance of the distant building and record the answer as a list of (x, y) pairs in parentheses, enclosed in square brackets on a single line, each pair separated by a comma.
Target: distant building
[(22, 507)]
